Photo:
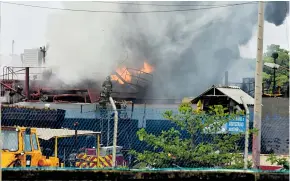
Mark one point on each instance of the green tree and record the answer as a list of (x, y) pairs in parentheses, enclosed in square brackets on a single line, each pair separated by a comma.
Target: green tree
[(282, 74), (170, 150), (279, 161)]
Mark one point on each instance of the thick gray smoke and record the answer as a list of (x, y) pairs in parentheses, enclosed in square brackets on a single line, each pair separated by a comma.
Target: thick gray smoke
[(189, 50), (276, 12), (83, 45)]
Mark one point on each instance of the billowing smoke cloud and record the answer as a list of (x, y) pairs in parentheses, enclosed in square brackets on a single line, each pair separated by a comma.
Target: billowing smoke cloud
[(83, 45), (189, 50), (276, 12)]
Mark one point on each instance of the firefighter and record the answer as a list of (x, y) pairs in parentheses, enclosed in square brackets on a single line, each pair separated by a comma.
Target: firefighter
[(106, 92), (103, 99), (108, 86), (105, 95)]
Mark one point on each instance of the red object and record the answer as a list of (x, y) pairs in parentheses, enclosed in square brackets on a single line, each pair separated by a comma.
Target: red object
[(94, 95), (58, 95), (91, 151), (120, 161), (270, 168)]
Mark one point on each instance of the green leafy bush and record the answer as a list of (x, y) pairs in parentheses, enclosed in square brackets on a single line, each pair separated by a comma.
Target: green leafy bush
[(279, 161), (223, 151)]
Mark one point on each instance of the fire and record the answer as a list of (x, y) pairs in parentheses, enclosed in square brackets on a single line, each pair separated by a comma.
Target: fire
[(127, 76), (116, 78), (124, 74), (147, 68)]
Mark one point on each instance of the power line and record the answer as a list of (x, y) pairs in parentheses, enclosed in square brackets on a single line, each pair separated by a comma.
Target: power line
[(153, 4), (128, 12)]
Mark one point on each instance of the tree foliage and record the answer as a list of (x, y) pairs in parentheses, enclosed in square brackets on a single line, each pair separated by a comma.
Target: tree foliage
[(169, 149), (279, 161), (283, 60)]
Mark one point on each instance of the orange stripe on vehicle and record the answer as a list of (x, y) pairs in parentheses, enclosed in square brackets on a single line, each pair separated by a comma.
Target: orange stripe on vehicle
[(94, 159), (109, 160), (81, 164), (88, 158), (104, 162), (78, 164), (84, 165), (93, 165), (81, 156)]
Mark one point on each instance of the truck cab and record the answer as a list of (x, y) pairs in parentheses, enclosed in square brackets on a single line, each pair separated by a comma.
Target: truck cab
[(20, 148), (90, 158), (108, 150)]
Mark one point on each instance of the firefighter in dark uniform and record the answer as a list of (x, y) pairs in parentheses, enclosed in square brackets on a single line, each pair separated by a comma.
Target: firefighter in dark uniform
[(108, 86), (103, 99), (105, 94)]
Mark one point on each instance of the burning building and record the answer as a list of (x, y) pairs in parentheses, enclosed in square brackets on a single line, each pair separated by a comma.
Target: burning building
[(128, 84)]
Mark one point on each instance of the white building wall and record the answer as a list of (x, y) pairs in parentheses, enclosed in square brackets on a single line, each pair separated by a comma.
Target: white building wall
[(33, 58)]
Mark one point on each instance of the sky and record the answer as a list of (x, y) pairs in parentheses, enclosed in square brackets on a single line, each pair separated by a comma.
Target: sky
[(27, 27)]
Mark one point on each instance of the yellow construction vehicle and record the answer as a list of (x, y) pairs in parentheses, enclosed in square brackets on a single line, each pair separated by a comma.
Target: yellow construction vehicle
[(57, 134), (95, 156), (21, 147)]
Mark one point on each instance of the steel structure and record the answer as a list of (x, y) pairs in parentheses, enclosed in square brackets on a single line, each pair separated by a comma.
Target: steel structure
[(14, 78)]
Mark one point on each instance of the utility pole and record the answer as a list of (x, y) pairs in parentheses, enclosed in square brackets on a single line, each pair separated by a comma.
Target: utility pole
[(258, 88)]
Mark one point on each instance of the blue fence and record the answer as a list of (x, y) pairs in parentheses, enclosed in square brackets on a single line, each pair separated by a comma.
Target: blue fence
[(148, 117)]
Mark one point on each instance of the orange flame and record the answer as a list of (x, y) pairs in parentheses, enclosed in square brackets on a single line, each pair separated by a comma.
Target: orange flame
[(147, 68), (116, 78), (126, 75)]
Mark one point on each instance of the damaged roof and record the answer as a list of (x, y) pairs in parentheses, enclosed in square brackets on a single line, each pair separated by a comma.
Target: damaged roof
[(233, 92)]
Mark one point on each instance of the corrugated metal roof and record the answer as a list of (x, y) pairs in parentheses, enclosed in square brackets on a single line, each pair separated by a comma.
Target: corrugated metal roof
[(231, 87), (236, 94), (46, 134)]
